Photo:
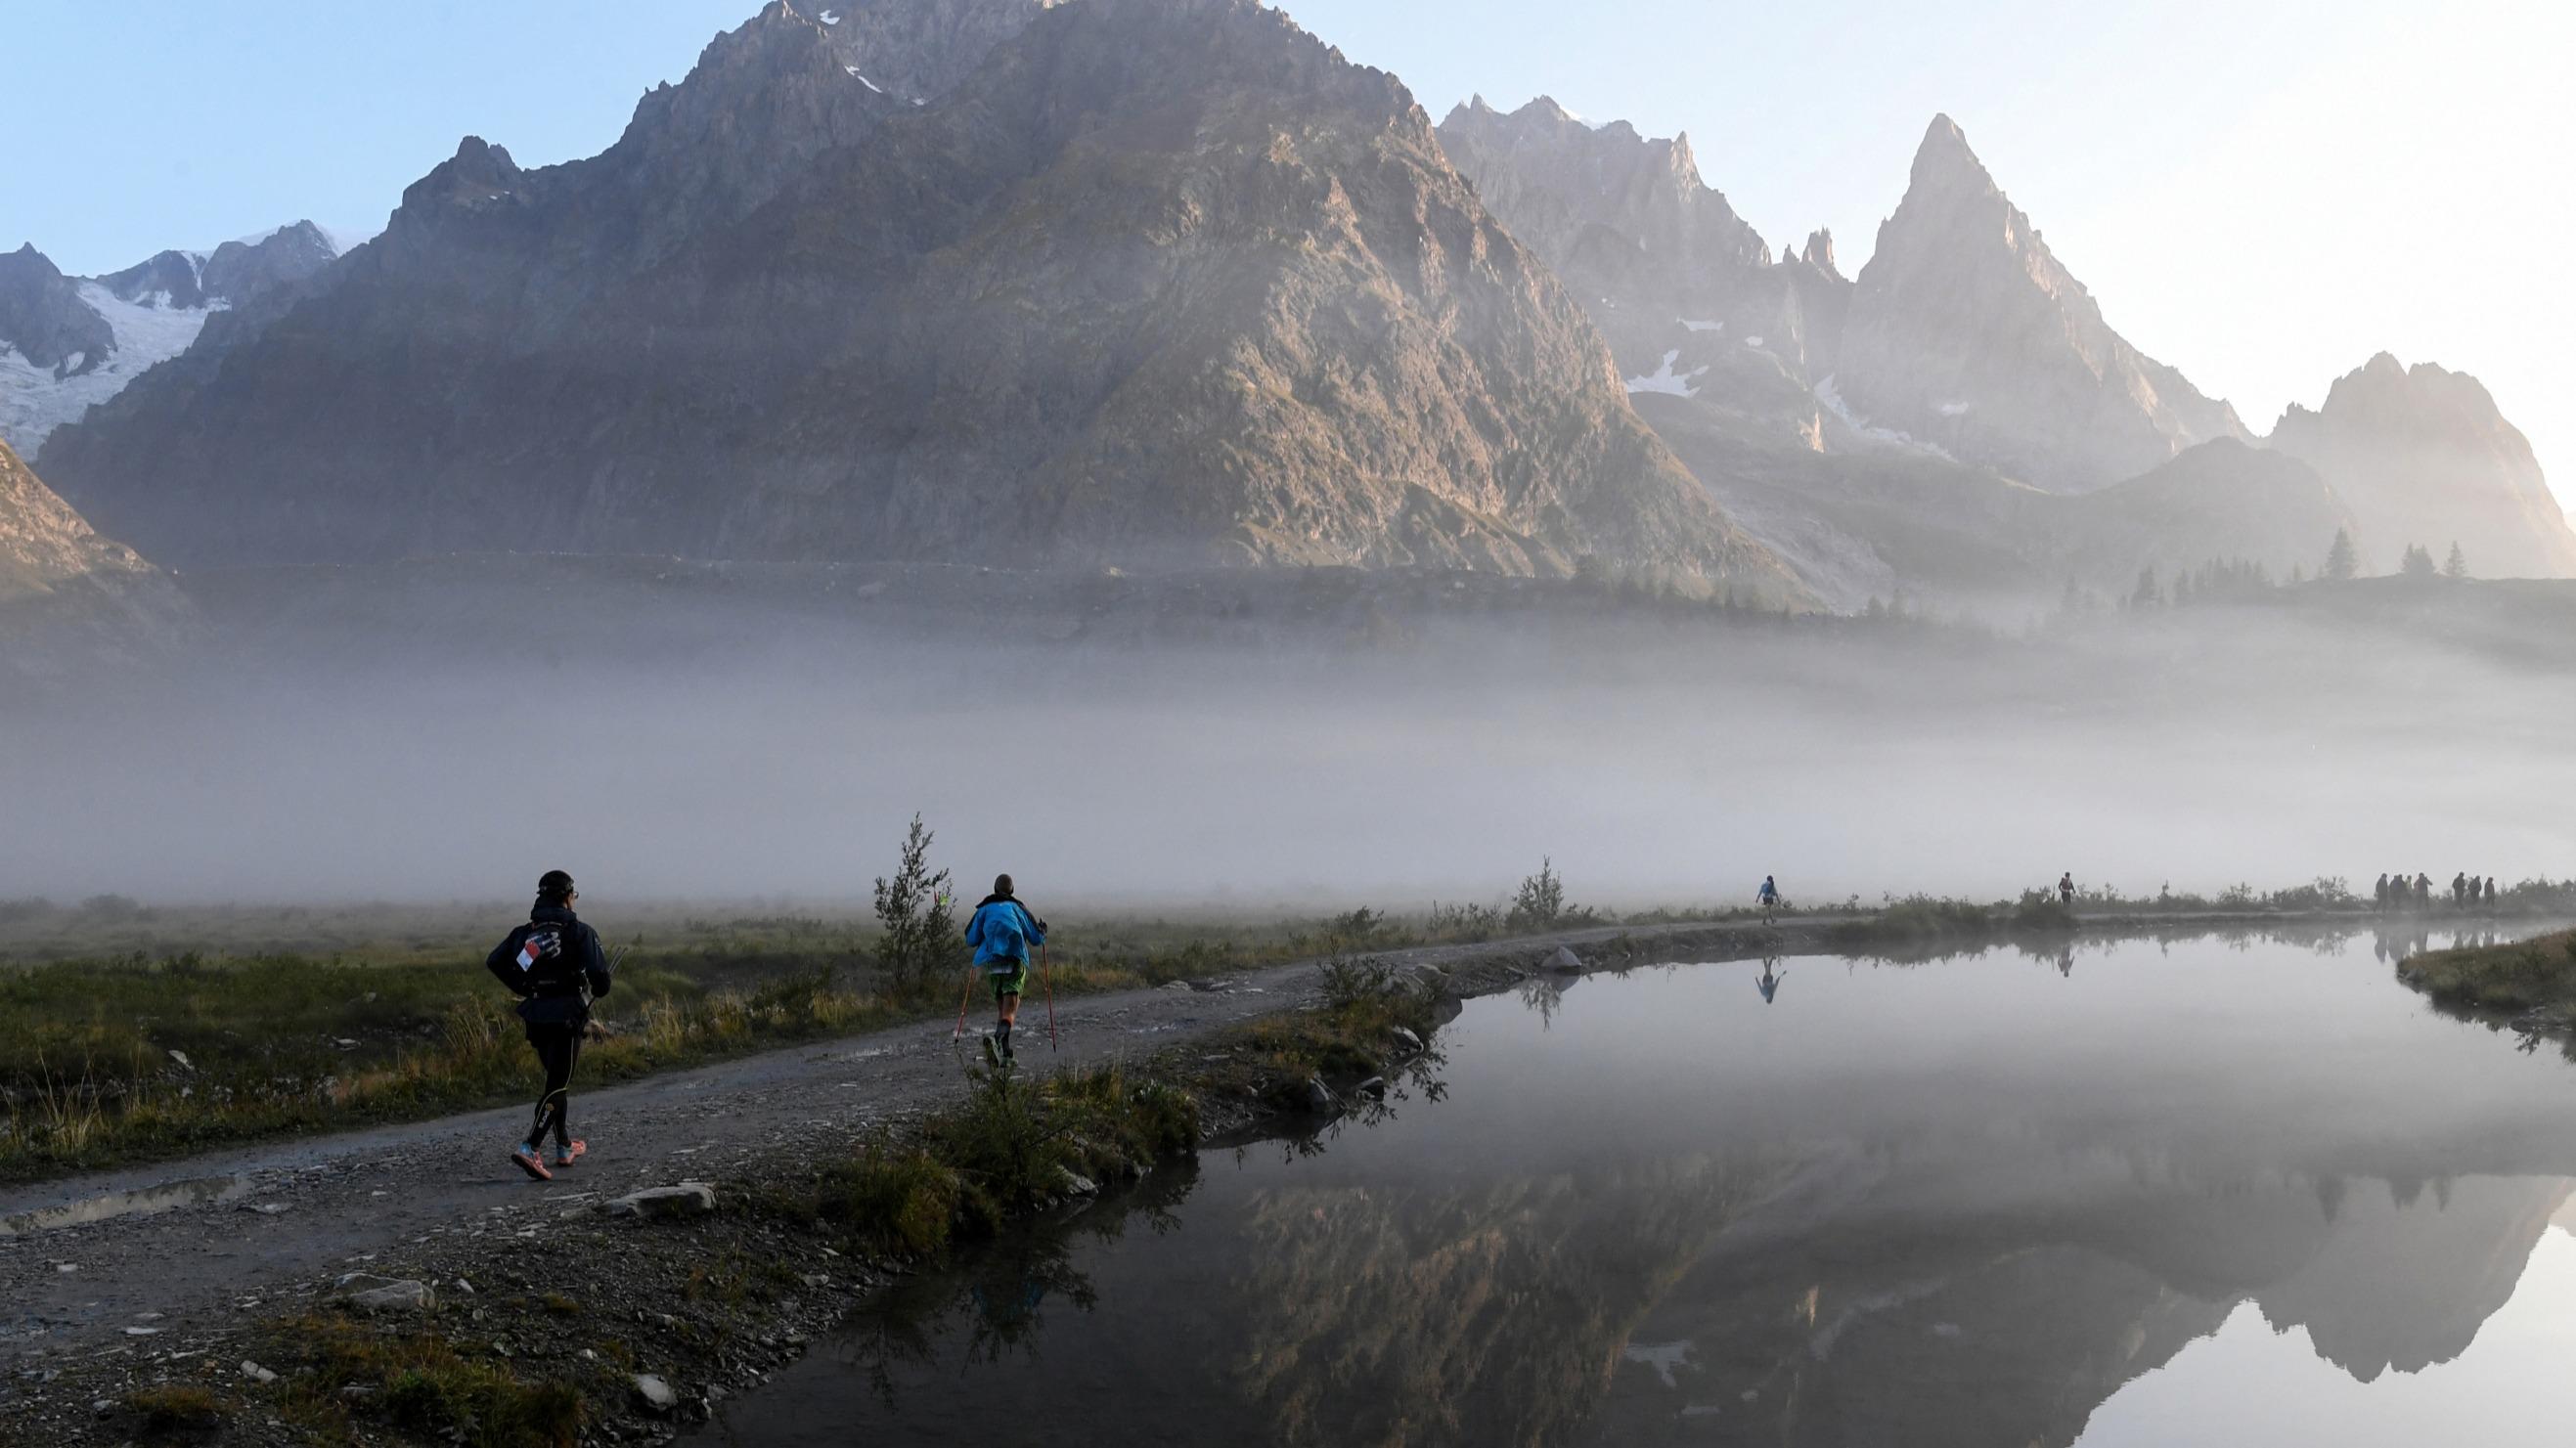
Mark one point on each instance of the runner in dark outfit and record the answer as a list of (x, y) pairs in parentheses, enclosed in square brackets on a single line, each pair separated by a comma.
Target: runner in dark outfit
[(554, 965)]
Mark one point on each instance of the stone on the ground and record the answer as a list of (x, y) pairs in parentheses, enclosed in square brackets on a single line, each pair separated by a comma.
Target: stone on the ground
[(688, 1199), (1319, 1097), (256, 1373), (1075, 1183), (1565, 959), (368, 1292), (657, 1394), (1407, 1039)]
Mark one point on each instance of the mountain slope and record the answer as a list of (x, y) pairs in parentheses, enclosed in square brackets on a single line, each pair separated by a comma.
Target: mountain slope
[(1965, 331), (2424, 457), (1687, 293), (45, 547), (2222, 501), (1158, 281), (68, 343)]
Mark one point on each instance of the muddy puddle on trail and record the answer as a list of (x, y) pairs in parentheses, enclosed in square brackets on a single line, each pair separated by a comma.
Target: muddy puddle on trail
[(2147, 1193), (139, 1202)]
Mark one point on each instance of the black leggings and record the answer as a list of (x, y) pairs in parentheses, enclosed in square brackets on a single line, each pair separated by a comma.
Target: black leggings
[(558, 1048)]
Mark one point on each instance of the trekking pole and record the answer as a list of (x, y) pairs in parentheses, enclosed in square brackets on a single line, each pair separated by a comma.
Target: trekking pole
[(964, 998), (1048, 976)]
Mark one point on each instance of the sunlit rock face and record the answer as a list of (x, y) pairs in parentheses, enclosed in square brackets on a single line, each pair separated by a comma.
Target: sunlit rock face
[(1148, 283), (43, 543), (1966, 332), (2425, 459)]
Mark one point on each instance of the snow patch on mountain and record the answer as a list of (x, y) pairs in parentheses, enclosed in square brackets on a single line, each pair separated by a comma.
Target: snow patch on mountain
[(830, 17), (148, 331), (1665, 380), (1691, 325), (863, 80), (1832, 399)]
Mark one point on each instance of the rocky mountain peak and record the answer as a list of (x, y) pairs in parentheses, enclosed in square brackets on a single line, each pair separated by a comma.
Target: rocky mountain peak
[(1819, 253), (1944, 162), (165, 279), (1966, 332), (43, 319), (478, 173), (1550, 177), (240, 272), (2426, 457)]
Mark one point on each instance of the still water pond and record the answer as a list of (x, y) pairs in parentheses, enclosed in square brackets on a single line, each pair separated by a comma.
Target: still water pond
[(2181, 1192)]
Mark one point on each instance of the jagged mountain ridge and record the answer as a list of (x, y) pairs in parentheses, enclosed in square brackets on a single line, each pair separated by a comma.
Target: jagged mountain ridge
[(1732, 355), (1679, 283), (69, 343), (1154, 281), (1968, 333), (2425, 458)]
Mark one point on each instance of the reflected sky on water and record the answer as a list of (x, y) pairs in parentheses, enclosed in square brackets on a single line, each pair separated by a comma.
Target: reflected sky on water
[(2140, 1192)]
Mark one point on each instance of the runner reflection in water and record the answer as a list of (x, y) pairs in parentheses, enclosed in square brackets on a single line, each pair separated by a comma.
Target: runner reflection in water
[(1769, 984)]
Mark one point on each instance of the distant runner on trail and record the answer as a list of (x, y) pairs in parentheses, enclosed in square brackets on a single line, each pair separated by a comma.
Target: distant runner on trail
[(554, 965), (2066, 889), (1769, 896), (1002, 930)]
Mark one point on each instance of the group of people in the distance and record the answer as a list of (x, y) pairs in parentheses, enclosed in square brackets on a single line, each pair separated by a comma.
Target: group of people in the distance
[(2468, 892), (555, 966)]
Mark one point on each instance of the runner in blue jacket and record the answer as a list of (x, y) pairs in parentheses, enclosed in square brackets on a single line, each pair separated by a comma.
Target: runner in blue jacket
[(1002, 930)]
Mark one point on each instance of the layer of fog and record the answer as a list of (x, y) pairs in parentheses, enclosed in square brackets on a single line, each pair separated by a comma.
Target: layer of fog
[(1655, 766)]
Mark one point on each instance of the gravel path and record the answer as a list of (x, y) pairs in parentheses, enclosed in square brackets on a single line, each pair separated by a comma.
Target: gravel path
[(103, 1265)]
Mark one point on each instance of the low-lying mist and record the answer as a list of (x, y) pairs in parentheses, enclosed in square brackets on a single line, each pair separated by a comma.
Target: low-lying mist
[(1658, 758)]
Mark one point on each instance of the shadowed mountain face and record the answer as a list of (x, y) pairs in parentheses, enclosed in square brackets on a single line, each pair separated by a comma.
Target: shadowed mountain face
[(2424, 457), (1967, 333), (917, 49), (1151, 282), (42, 318)]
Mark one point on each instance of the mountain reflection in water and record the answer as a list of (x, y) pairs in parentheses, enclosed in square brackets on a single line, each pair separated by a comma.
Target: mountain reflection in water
[(2142, 1192)]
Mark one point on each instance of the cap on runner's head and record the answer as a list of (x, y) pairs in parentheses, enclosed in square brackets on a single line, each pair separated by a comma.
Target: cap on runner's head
[(1001, 884), (554, 887)]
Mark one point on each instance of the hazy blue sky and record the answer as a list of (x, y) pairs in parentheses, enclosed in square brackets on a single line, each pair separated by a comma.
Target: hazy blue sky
[(2261, 194)]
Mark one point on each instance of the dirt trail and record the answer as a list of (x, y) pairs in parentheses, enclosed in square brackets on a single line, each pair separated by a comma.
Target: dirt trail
[(217, 1240)]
